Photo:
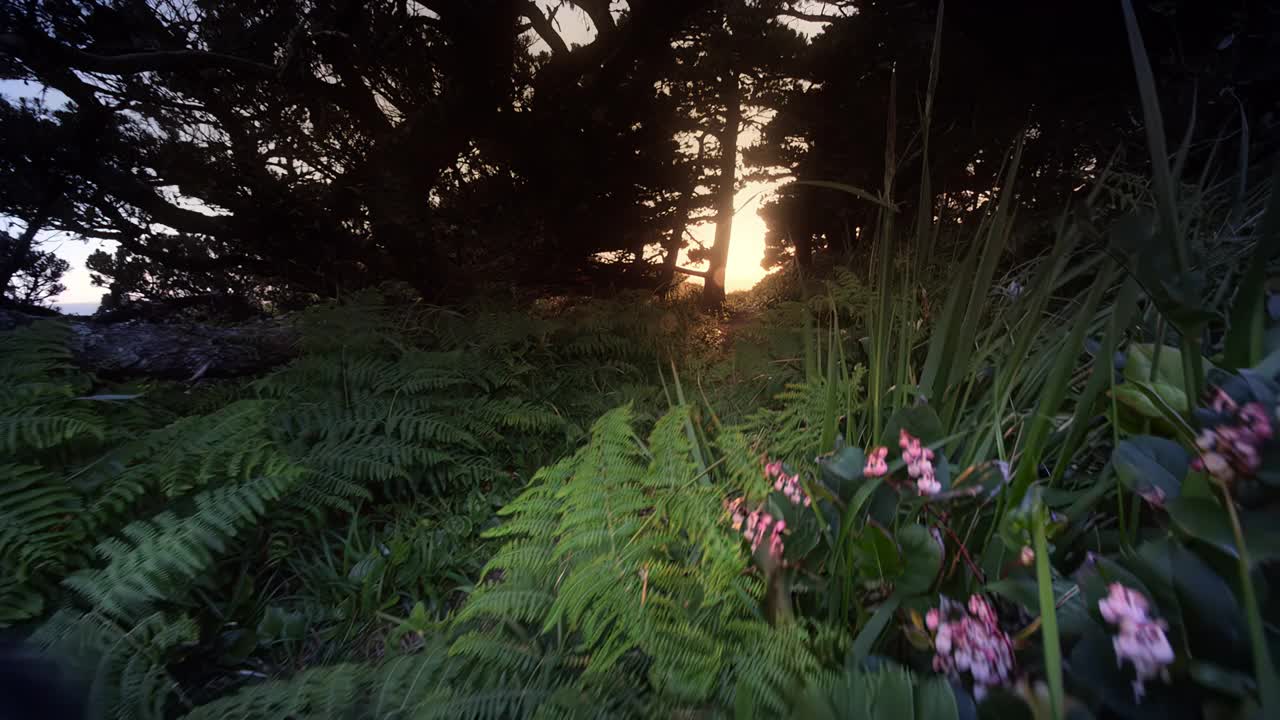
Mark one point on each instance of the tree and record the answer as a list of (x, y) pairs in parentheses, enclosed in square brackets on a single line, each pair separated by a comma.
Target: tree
[(1056, 74), (306, 148), (732, 62)]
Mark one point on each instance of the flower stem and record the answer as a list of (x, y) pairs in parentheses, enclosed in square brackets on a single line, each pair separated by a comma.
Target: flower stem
[(1262, 665), (1048, 615)]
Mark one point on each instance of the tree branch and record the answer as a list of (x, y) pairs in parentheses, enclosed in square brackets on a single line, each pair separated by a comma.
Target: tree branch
[(24, 47), (133, 191), (542, 25)]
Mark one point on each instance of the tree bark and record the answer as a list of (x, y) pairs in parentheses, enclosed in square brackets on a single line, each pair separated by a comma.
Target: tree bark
[(173, 351), (730, 95)]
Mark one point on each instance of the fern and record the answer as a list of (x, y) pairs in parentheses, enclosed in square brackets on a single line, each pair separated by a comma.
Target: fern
[(124, 666), (622, 547), (162, 554), (404, 687), (889, 692), (116, 517)]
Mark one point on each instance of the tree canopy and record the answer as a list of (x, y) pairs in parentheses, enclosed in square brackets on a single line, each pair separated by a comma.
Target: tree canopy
[(282, 150)]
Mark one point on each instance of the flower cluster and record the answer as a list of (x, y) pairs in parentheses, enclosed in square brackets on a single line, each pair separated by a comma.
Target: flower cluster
[(919, 461), (1233, 448), (1141, 638), (788, 485), (759, 525), (968, 638), (876, 465)]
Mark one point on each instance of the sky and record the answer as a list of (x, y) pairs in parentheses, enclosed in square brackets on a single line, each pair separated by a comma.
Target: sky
[(746, 247)]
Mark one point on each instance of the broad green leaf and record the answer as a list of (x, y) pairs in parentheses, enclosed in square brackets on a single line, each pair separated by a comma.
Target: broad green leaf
[(1139, 361), (842, 471), (1136, 394), (876, 555), (1214, 619), (1206, 520), (1223, 679), (1073, 613), (935, 700), (922, 557), (919, 420), (1152, 467)]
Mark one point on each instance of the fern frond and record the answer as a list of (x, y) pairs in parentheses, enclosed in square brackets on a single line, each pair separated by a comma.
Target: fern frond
[(162, 555)]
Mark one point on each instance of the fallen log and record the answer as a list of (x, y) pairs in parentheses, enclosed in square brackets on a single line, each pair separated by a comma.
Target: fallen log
[(172, 350)]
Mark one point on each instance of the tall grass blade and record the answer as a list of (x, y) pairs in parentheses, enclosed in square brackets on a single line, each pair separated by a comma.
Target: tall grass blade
[(1048, 616), (1055, 389), (1244, 346), (1162, 178), (1126, 304)]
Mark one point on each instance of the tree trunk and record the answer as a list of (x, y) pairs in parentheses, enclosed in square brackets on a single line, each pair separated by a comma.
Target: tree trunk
[(173, 351), (15, 253), (674, 242), (730, 95)]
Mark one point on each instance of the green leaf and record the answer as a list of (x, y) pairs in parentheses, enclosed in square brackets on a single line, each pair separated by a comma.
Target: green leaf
[(867, 636), (1139, 360), (1073, 614), (842, 471), (1222, 679), (1136, 394), (850, 189), (1245, 341), (892, 695), (935, 700), (1206, 520), (1152, 467), (991, 477), (876, 555), (919, 420), (923, 558), (1214, 619)]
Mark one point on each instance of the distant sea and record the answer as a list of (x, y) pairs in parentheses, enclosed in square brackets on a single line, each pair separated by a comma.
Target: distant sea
[(78, 308)]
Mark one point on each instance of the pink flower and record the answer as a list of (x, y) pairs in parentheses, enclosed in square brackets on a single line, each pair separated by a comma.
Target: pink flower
[(1233, 448), (1140, 638), (1028, 556), (919, 461), (791, 488), (968, 639), (1122, 602), (1222, 402), (876, 465)]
